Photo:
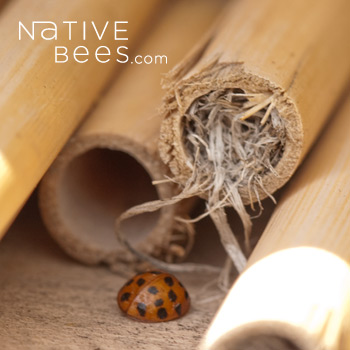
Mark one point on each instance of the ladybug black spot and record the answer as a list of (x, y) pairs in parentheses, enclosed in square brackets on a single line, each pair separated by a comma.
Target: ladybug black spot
[(186, 294), (152, 290), (169, 281), (162, 313), (159, 302), (172, 296), (140, 282), (125, 297), (141, 308), (178, 309)]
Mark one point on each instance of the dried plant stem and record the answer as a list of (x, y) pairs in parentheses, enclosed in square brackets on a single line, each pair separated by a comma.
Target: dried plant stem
[(228, 239)]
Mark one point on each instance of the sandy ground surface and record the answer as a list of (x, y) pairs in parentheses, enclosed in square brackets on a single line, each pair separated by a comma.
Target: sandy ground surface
[(49, 301)]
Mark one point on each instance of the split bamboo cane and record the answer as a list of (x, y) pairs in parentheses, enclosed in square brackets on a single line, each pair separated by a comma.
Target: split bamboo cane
[(240, 121), (42, 102), (296, 292), (109, 164)]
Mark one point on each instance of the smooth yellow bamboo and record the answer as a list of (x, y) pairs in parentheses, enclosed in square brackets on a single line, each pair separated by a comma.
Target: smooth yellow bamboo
[(297, 288), (109, 164), (42, 102)]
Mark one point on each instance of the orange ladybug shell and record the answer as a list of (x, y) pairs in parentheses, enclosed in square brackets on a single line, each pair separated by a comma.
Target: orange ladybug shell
[(154, 296)]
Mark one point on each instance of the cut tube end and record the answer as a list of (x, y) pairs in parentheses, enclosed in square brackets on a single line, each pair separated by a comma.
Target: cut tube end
[(244, 127), (89, 186)]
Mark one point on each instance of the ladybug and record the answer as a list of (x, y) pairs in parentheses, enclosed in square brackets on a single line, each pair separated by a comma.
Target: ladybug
[(154, 296)]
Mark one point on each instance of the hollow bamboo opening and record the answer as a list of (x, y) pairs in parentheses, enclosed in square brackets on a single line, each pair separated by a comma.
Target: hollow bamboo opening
[(99, 185), (91, 184)]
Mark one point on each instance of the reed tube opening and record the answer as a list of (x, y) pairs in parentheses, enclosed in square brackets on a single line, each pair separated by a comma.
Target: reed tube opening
[(99, 185)]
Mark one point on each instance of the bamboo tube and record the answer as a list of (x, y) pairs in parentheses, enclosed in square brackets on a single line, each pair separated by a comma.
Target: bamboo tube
[(41, 101), (297, 288), (240, 121), (109, 164)]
